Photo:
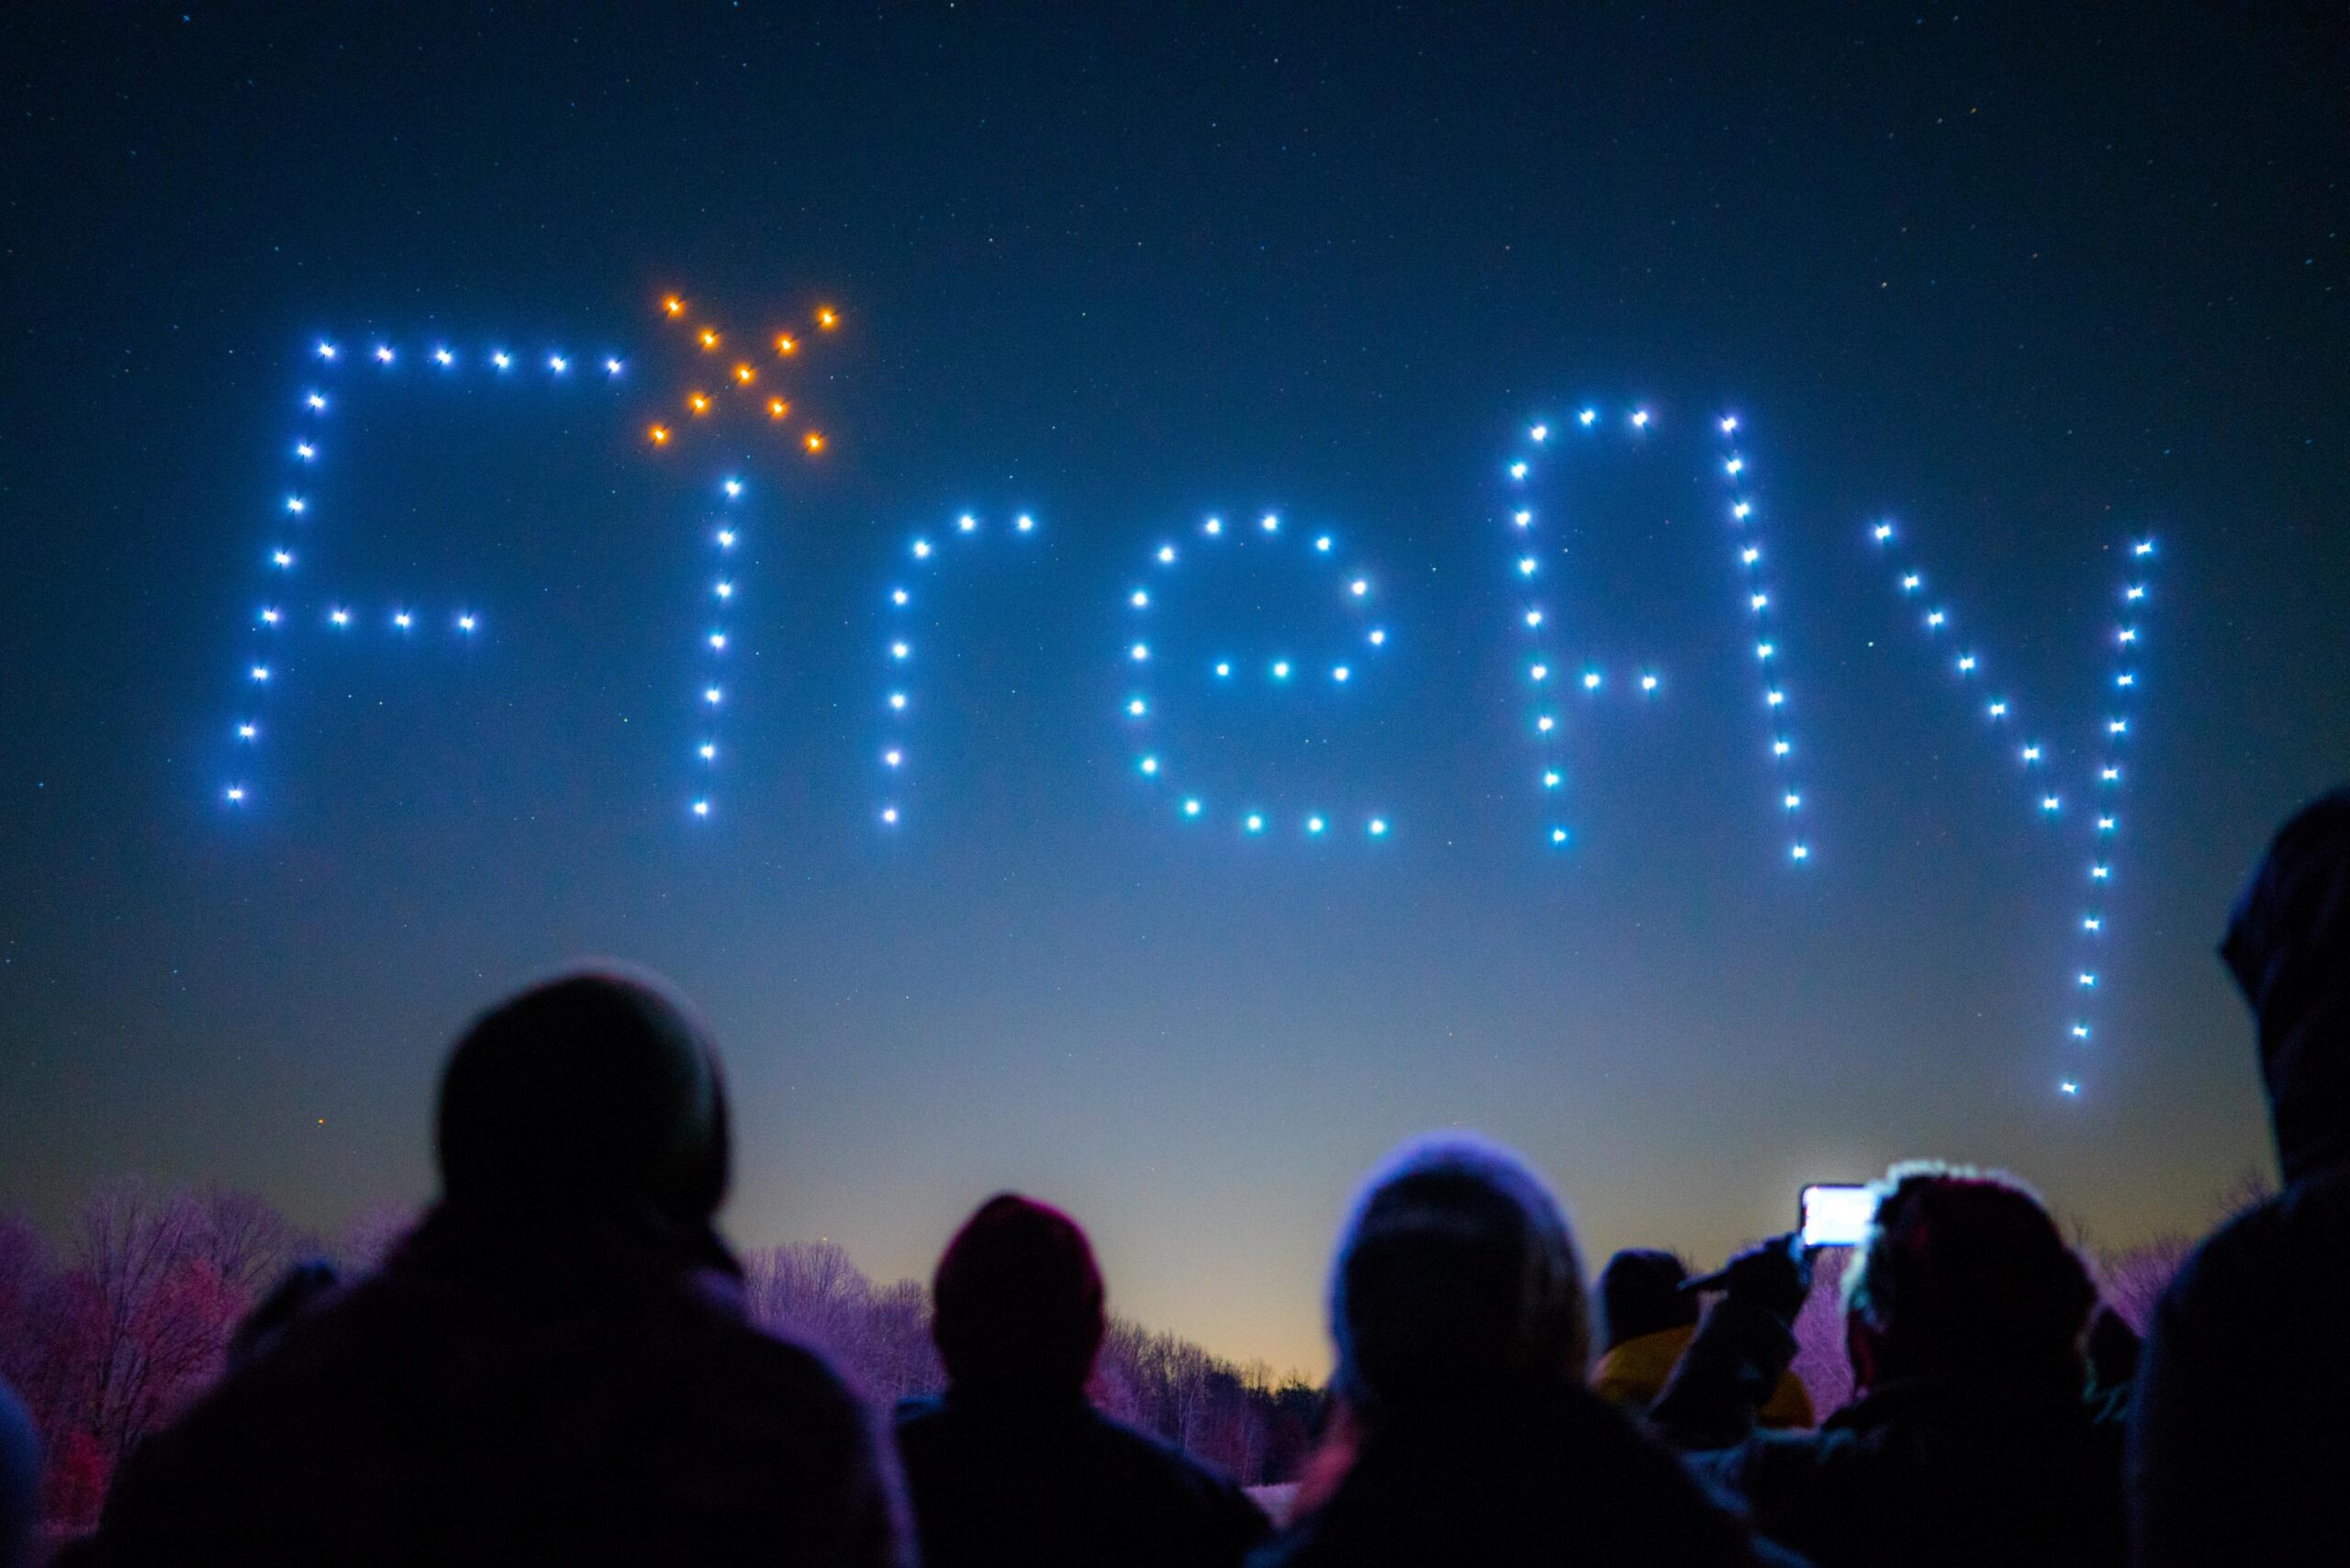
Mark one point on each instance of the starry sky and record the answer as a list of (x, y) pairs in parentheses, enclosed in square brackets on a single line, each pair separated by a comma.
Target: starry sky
[(2030, 288)]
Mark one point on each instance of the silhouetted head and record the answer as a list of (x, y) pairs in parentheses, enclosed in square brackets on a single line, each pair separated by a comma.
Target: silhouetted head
[(1016, 1305), (592, 1093), (2289, 946), (1639, 1292), (1456, 1278), (1965, 1272)]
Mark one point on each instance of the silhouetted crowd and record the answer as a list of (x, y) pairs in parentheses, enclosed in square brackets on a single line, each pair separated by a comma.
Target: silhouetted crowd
[(555, 1366)]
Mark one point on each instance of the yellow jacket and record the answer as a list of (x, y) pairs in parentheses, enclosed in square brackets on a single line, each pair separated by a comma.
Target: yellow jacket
[(1634, 1373)]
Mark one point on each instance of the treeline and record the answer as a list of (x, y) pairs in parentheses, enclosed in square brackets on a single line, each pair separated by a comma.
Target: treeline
[(110, 1330)]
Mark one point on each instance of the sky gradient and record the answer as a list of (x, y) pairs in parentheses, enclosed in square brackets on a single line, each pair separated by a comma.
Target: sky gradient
[(2030, 290)]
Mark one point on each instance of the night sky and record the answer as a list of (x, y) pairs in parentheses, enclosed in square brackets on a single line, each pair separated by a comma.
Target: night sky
[(2031, 286)]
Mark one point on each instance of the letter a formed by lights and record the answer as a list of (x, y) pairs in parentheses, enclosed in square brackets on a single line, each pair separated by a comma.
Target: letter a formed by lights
[(1167, 645), (1540, 629)]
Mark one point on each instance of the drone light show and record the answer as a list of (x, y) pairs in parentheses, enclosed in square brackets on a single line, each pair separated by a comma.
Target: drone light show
[(1179, 677)]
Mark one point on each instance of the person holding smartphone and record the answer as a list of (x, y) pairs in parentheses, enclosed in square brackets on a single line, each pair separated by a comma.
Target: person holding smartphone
[(1970, 1440)]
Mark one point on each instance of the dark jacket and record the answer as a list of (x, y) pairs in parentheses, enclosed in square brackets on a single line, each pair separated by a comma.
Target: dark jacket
[(1547, 1476), (1003, 1481), (2239, 1451), (1985, 1468), (19, 1482), (497, 1394)]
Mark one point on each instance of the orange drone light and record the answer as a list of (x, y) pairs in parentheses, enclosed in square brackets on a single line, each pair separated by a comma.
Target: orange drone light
[(673, 306), (698, 403), (744, 374), (814, 441), (825, 318), (660, 434), (708, 338), (785, 345), (778, 408)]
